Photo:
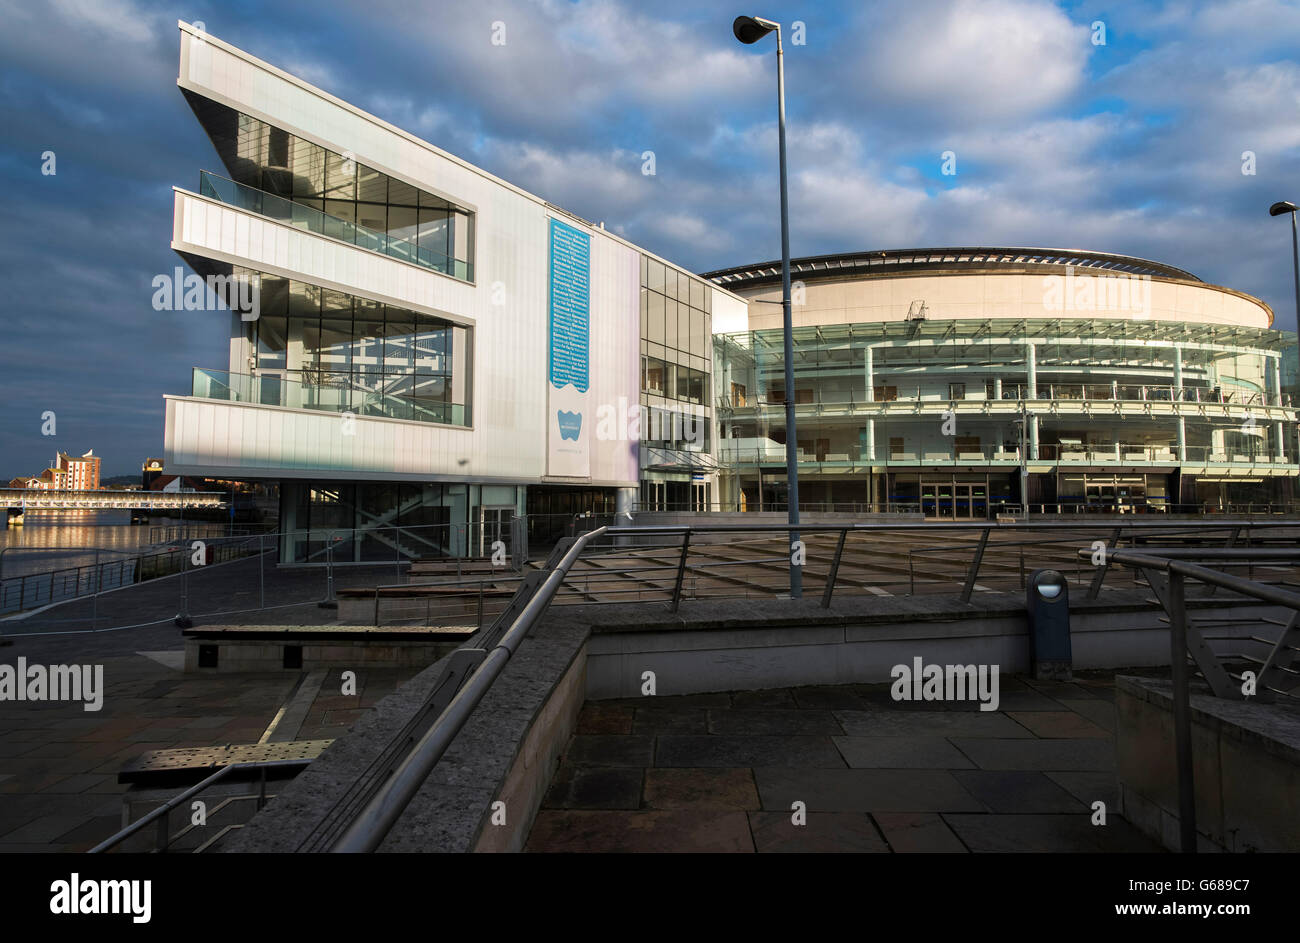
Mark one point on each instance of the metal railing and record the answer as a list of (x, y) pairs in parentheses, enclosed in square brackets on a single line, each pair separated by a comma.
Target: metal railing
[(1168, 572), (471, 671), (160, 814), (819, 396), (301, 216)]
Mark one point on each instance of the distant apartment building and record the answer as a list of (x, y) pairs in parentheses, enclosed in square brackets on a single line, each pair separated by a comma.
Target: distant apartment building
[(68, 473)]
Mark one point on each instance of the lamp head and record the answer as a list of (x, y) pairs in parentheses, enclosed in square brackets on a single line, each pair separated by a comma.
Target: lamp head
[(1277, 209), (750, 29)]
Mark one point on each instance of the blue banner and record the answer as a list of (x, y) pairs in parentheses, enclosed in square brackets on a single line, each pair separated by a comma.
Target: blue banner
[(570, 307)]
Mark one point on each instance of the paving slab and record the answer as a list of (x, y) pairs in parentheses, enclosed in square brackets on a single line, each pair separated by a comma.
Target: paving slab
[(863, 790), (1048, 833), (773, 722), (645, 831), (901, 753), (687, 720), (610, 750), (918, 833), (1059, 724), (822, 833), (595, 787), (1100, 712), (672, 788), (1084, 754), (1020, 791), (911, 723), (808, 752), (1089, 787)]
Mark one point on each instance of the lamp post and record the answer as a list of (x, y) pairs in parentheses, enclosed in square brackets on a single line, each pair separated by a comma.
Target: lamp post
[(1277, 209), (749, 30)]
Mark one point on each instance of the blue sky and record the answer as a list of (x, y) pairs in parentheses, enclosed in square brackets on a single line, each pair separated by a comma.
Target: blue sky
[(1134, 146)]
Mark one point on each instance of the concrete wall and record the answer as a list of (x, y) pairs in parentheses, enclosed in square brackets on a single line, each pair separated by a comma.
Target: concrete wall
[(1245, 769)]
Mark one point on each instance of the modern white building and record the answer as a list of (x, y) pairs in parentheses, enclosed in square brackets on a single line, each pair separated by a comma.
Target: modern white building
[(963, 382), (416, 342)]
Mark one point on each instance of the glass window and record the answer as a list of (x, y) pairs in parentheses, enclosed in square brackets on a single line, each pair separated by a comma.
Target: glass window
[(645, 317), (335, 348), (655, 270), (304, 300), (434, 232), (697, 389), (402, 194), (399, 341), (307, 161), (697, 294), (655, 313), (372, 186), (272, 337), (684, 383), (670, 283), (698, 345), (340, 177), (654, 376), (670, 323)]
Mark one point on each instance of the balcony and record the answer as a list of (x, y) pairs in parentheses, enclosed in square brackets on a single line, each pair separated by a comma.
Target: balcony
[(334, 395), (752, 452), (814, 398), (314, 221)]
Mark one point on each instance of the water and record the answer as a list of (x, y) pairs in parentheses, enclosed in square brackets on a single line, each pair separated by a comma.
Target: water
[(34, 547)]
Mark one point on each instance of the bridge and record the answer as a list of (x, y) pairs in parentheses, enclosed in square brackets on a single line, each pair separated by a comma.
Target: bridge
[(20, 500)]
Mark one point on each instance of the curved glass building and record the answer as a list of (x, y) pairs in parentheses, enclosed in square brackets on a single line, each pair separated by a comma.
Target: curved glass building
[(974, 381)]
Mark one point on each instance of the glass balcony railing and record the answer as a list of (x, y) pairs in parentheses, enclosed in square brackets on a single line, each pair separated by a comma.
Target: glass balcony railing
[(273, 389), (1012, 393), (315, 221), (751, 451)]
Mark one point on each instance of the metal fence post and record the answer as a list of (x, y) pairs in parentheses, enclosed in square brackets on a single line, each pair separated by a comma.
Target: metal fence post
[(1182, 712), (835, 569), (681, 572), (975, 566)]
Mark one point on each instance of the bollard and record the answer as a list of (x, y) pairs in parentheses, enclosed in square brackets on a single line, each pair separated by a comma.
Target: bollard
[(1048, 615)]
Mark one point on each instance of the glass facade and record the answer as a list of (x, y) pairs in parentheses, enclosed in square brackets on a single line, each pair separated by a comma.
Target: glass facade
[(370, 208), (945, 414), (676, 386), (316, 348)]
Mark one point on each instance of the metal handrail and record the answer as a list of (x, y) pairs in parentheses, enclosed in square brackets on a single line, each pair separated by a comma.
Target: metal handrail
[(386, 806), (176, 800), (1173, 597)]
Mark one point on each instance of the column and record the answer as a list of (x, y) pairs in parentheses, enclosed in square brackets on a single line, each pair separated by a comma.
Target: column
[(997, 388), (871, 440), (1178, 371), (1275, 364), (1279, 452), (1033, 438), (1031, 377), (1182, 440), (870, 376)]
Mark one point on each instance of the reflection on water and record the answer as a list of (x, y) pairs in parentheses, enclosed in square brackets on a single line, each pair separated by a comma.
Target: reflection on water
[(56, 540)]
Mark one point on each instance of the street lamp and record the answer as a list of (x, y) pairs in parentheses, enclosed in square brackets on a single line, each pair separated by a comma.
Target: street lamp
[(749, 30), (1277, 209)]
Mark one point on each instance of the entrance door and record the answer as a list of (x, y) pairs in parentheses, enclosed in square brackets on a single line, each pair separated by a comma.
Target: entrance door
[(494, 525), (700, 496), (971, 502), (937, 501)]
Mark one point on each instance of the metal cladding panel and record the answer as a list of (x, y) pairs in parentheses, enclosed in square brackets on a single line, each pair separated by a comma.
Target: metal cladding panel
[(615, 358)]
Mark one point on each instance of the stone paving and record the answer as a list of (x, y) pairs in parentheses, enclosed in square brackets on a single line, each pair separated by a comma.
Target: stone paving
[(59, 762), (719, 772)]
